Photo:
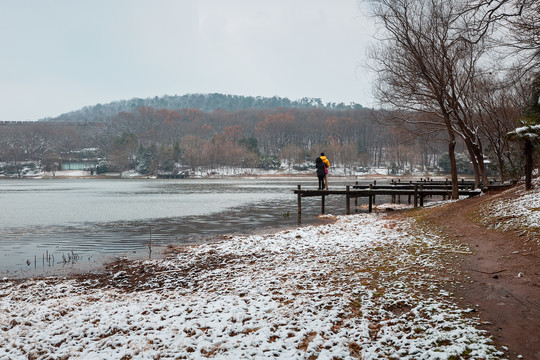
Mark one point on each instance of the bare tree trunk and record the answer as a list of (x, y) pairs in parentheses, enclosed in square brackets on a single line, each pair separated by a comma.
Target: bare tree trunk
[(500, 165), (479, 152), (474, 163), (528, 163), (453, 169), (482, 168), (452, 156)]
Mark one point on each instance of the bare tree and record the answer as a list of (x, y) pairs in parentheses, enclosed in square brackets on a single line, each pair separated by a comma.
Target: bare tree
[(293, 155), (192, 148), (526, 31), (498, 109), (521, 34), (427, 64), (514, 24)]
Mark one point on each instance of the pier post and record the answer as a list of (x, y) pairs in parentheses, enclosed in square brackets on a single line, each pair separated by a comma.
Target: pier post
[(322, 204), (371, 199), (356, 200), (299, 204), (348, 200), (399, 196), (415, 195)]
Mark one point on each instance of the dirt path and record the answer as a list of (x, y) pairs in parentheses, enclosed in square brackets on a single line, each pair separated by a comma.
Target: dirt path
[(504, 284)]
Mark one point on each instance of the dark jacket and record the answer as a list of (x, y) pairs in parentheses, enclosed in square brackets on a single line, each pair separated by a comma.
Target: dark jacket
[(320, 167)]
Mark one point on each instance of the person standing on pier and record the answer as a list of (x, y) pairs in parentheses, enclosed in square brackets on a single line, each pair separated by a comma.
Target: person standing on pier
[(327, 165), (321, 172)]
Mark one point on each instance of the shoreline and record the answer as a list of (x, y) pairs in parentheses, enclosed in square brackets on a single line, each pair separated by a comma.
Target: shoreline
[(80, 174), (159, 252)]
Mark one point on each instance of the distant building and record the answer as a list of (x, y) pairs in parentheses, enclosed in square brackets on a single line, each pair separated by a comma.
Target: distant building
[(85, 159), (79, 164)]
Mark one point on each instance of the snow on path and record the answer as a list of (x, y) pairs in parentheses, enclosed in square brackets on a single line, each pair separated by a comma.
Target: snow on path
[(365, 286)]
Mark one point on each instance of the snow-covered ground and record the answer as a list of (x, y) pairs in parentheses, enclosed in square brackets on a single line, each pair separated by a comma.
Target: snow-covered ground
[(520, 211), (366, 286)]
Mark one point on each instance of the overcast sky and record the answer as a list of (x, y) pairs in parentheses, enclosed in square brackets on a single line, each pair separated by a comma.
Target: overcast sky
[(60, 55)]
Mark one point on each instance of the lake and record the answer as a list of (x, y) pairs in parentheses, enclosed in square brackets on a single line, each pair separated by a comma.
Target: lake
[(49, 226)]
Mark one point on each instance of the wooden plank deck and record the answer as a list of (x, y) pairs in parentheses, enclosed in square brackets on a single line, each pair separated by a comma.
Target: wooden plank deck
[(417, 192), (431, 184), (389, 191)]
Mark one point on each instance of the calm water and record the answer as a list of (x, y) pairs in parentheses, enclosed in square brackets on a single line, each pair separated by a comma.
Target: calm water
[(45, 224)]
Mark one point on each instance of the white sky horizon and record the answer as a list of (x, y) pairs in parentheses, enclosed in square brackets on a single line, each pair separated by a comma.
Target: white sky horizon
[(60, 56)]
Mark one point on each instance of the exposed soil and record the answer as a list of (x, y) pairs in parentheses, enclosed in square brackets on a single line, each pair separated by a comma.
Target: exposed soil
[(504, 283)]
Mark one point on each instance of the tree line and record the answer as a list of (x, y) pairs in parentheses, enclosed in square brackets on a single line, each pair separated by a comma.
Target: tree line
[(203, 102), (153, 140)]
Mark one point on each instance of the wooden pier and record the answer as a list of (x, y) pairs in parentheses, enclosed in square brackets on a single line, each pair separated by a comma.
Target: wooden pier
[(417, 191)]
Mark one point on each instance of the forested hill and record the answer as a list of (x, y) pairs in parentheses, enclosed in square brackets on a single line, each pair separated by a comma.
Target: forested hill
[(203, 102)]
